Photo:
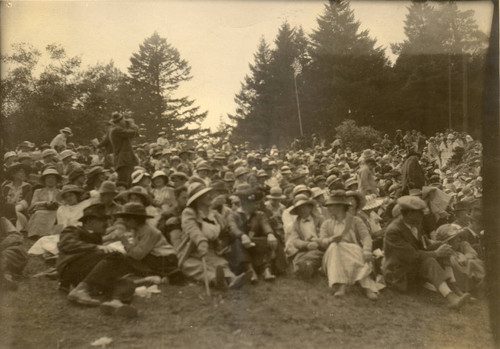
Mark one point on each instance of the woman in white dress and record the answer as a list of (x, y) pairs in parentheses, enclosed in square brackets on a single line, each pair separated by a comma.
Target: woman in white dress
[(348, 245)]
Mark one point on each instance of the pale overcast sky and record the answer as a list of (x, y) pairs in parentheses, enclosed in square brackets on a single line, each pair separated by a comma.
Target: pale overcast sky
[(218, 38)]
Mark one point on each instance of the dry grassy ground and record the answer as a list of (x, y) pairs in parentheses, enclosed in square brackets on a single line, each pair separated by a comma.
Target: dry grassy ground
[(287, 314)]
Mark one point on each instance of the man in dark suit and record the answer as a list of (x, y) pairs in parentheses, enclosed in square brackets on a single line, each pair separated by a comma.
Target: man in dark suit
[(121, 133), (410, 258)]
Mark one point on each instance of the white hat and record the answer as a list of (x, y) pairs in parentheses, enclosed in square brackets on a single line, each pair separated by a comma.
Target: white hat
[(138, 175)]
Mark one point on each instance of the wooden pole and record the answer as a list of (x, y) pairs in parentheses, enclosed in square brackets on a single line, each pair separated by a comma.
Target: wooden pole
[(298, 106)]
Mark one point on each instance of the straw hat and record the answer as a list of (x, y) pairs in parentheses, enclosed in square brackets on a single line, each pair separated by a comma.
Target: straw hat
[(203, 166), (360, 198), (138, 175), (50, 171), (446, 232), (300, 200), (372, 202), (66, 130), (301, 188), (276, 194), (66, 154), (160, 173), (240, 171), (116, 117), (195, 191), (133, 209), (262, 174), (286, 170), (9, 154), (48, 152), (351, 181)]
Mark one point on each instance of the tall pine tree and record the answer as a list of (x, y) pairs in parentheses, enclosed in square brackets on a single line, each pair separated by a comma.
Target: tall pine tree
[(347, 71), (156, 72)]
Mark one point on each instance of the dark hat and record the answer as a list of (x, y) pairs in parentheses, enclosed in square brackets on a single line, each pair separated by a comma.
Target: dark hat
[(16, 166), (133, 209), (77, 172), (300, 200), (108, 187), (337, 197), (219, 186), (96, 210), (140, 191), (116, 117)]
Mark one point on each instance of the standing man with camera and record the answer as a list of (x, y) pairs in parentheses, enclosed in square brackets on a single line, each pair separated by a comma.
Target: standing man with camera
[(121, 134)]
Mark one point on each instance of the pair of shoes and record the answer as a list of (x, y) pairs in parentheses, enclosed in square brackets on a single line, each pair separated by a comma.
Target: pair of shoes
[(268, 276), (371, 295), (80, 295), (239, 281), (220, 279), (455, 301), (340, 291), (116, 307)]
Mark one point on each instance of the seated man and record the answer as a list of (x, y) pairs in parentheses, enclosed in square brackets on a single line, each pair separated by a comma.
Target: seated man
[(303, 243), (408, 258)]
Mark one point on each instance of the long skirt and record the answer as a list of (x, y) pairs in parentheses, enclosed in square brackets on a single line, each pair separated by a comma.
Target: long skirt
[(193, 267), (344, 263), (41, 223)]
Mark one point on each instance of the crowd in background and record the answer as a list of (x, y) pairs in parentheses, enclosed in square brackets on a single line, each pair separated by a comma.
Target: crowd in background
[(115, 214)]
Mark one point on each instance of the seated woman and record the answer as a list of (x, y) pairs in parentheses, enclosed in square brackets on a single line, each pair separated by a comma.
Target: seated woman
[(164, 197), (70, 212), (468, 269), (199, 257), (348, 245), (303, 243), (18, 192), (44, 205)]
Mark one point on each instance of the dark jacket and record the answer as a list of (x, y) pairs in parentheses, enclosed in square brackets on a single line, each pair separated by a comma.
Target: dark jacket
[(412, 174), (73, 244), (403, 254), (122, 147)]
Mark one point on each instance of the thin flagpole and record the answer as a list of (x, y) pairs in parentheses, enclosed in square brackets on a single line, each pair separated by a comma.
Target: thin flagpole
[(298, 105)]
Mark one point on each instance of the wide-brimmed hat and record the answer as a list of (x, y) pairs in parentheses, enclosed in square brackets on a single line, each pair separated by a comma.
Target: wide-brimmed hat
[(140, 191), (412, 203), (195, 191), (301, 188), (229, 177), (138, 175), (66, 154), (16, 166), (351, 181), (360, 198), (94, 171), (9, 154), (446, 232), (285, 170), (240, 171), (275, 193), (262, 174), (372, 202), (316, 192), (108, 187), (71, 188), (203, 166), (94, 211), (66, 130), (77, 172), (177, 174), (133, 209), (48, 152), (337, 197), (50, 171), (158, 174), (116, 117), (300, 200)]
